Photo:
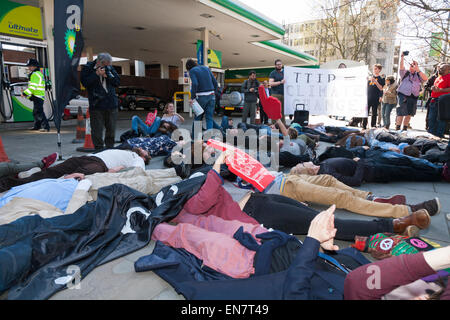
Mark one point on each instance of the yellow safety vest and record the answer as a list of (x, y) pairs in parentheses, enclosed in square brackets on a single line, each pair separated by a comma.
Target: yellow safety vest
[(36, 85)]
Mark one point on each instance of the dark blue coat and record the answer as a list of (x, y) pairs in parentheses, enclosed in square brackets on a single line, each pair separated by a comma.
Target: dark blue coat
[(307, 278), (98, 97)]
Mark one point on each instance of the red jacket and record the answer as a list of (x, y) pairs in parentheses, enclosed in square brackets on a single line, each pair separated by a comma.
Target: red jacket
[(213, 199)]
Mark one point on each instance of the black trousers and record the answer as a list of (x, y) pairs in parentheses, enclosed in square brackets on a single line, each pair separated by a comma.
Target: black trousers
[(263, 114), (40, 120), (103, 118), (85, 164), (372, 104), (290, 160), (290, 216)]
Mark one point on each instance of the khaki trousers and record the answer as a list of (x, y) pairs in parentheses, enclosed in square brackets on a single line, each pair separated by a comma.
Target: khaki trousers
[(327, 190)]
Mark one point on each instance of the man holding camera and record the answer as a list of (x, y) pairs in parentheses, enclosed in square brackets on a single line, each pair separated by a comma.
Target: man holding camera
[(101, 81), (408, 92)]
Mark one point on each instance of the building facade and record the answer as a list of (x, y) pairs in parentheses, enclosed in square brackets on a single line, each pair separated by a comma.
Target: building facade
[(377, 27)]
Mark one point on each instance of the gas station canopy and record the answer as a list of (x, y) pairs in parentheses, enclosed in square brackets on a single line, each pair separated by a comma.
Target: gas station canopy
[(165, 31)]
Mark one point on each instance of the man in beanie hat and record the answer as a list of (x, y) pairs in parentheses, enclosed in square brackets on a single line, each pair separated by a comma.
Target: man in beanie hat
[(36, 93)]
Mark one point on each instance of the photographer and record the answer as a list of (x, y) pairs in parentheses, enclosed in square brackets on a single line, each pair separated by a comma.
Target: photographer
[(408, 92), (100, 80)]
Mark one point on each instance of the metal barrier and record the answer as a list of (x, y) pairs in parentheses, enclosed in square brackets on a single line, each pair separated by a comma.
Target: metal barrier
[(181, 99)]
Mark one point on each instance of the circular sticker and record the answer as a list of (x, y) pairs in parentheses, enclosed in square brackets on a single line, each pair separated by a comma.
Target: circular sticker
[(418, 243), (386, 244)]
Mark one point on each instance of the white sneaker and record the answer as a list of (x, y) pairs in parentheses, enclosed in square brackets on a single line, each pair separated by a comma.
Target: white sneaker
[(26, 174)]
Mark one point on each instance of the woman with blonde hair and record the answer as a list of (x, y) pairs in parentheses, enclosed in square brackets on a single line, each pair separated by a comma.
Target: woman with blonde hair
[(169, 114)]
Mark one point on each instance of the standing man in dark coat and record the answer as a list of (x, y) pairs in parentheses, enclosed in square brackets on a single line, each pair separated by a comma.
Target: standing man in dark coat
[(250, 91), (101, 81)]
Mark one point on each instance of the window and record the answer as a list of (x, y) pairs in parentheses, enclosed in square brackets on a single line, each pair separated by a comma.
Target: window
[(383, 15)]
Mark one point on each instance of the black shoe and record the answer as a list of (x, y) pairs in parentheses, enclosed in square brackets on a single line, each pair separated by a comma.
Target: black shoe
[(432, 206)]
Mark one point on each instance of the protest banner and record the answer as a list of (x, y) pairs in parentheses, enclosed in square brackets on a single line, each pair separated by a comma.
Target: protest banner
[(339, 92), (245, 166)]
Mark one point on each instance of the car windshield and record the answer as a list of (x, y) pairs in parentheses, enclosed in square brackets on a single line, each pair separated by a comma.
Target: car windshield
[(230, 89)]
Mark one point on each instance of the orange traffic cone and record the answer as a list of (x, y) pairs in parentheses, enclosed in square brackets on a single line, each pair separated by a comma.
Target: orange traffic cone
[(81, 130), (88, 145), (3, 156)]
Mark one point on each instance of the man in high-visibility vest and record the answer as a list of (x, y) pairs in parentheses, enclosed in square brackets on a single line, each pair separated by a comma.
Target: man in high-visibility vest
[(36, 93)]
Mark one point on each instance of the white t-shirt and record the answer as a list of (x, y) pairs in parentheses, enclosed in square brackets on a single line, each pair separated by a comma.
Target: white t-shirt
[(114, 158)]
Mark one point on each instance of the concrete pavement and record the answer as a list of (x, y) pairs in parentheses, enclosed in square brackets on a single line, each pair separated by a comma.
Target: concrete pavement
[(118, 280)]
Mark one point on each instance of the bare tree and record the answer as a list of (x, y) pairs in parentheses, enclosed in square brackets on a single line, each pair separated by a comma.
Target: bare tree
[(427, 22), (347, 26)]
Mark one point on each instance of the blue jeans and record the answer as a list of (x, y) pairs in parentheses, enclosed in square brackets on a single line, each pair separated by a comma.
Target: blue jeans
[(137, 122), (435, 126), (386, 113), (207, 103)]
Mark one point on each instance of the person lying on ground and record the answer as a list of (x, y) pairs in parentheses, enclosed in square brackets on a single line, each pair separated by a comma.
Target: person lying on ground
[(11, 168), (291, 216), (169, 114), (398, 271), (70, 194), (212, 226), (190, 164), (111, 160), (377, 166), (153, 128), (304, 184), (156, 146)]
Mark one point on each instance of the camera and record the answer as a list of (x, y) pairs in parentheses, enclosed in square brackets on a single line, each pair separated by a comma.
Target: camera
[(405, 53), (108, 71)]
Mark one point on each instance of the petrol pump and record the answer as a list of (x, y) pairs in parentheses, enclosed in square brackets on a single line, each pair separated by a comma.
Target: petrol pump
[(14, 78)]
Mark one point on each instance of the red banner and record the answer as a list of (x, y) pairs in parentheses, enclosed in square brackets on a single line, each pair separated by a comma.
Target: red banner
[(245, 166)]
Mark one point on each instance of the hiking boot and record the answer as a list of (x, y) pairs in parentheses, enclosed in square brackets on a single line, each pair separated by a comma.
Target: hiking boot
[(432, 206), (49, 160), (396, 199), (420, 219)]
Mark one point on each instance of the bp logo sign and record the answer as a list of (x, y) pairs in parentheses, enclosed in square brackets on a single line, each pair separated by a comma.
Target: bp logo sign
[(73, 24)]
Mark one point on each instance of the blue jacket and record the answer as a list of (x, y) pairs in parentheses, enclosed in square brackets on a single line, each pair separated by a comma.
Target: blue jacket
[(202, 80)]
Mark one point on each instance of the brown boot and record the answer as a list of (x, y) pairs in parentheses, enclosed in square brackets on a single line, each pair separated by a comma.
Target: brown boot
[(420, 218)]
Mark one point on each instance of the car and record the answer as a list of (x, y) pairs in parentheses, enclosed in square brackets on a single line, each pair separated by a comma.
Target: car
[(231, 100), (131, 98), (71, 110)]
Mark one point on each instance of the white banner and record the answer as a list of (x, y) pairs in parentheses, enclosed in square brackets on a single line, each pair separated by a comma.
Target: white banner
[(339, 92)]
